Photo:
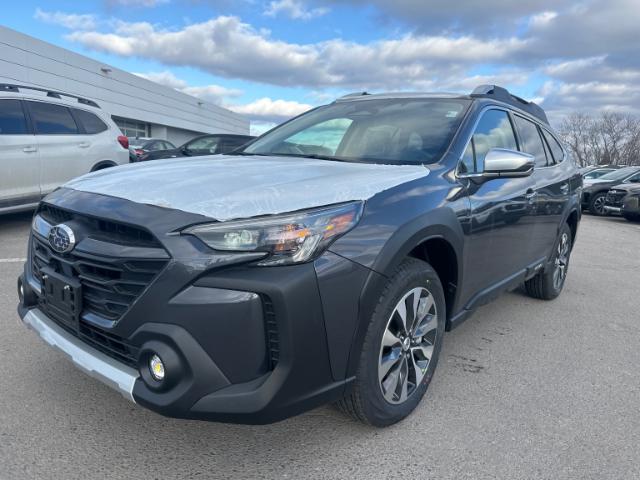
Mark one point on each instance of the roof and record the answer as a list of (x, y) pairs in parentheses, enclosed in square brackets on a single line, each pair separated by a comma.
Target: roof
[(490, 92)]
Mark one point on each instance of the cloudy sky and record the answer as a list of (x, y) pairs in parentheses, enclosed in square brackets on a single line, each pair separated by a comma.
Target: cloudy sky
[(273, 59)]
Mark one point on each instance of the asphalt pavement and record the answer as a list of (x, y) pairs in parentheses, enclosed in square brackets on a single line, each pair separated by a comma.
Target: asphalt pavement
[(524, 389)]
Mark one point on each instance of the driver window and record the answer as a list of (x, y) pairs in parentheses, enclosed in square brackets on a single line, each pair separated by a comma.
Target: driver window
[(634, 178), (204, 144), (320, 139), (494, 130)]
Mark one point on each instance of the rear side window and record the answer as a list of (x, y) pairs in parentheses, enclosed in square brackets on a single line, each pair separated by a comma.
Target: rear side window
[(531, 140), (554, 145), (51, 119), (12, 119), (91, 123), (494, 130)]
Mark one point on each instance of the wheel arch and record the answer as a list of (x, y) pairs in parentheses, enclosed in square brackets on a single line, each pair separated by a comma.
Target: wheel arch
[(440, 243), (103, 164), (572, 220)]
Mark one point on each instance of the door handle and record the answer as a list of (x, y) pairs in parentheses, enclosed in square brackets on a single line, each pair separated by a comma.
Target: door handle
[(564, 188), (30, 149), (84, 145)]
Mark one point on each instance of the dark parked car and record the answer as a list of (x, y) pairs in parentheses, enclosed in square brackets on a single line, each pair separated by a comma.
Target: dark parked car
[(623, 200), (321, 264), (595, 190), (141, 146), (203, 145)]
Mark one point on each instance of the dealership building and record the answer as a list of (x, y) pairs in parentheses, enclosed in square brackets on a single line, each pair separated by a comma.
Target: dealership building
[(138, 106)]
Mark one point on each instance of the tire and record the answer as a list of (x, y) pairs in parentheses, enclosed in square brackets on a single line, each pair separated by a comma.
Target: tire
[(596, 204), (368, 402), (548, 284), (631, 217), (102, 166)]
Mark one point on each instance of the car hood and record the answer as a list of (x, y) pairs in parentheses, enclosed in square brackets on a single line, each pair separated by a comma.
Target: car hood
[(631, 188), (597, 184), (232, 187)]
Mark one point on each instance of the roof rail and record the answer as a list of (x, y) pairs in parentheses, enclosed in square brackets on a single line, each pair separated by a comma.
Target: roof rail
[(352, 95), (503, 95), (8, 87)]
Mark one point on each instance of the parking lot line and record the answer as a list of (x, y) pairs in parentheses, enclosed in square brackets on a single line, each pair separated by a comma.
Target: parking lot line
[(12, 260)]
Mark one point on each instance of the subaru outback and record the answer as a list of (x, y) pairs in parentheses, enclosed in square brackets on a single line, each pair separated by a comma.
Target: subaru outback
[(322, 263)]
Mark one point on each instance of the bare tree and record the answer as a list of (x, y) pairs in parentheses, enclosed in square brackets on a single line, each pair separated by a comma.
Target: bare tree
[(610, 138)]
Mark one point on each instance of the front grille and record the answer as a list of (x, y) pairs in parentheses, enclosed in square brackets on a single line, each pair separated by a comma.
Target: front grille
[(109, 284), (614, 197), (271, 327), (102, 229)]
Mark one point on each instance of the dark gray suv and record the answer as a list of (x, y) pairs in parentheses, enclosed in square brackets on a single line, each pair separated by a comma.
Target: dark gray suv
[(323, 263)]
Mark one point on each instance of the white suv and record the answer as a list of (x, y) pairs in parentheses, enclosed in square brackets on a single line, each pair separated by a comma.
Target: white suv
[(48, 138)]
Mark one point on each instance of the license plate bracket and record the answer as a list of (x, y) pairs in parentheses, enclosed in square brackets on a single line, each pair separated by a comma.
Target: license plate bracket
[(62, 298)]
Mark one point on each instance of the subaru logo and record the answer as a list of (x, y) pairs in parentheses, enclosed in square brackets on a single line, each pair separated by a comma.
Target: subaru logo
[(61, 238)]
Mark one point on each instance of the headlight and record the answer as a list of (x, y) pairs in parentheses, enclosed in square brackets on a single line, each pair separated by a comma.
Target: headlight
[(289, 239)]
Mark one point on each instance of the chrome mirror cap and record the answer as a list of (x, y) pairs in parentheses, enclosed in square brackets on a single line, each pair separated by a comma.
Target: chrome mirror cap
[(502, 162)]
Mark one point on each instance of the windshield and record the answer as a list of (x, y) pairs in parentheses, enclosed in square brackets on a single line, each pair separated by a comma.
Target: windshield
[(392, 131), (619, 174), (597, 173)]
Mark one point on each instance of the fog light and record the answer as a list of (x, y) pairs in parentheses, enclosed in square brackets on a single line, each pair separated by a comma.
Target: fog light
[(156, 367)]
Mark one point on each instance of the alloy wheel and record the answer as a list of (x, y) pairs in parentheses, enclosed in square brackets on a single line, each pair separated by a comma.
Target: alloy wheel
[(407, 345), (561, 262), (598, 205)]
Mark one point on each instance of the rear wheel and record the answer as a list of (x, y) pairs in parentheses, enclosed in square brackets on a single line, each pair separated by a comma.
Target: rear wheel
[(401, 347), (548, 284), (631, 217), (596, 205)]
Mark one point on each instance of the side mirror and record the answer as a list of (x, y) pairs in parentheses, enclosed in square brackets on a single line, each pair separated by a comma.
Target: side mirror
[(504, 163)]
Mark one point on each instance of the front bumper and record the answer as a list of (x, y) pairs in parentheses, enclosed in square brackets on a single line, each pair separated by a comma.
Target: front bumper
[(91, 361), (240, 344), (612, 209)]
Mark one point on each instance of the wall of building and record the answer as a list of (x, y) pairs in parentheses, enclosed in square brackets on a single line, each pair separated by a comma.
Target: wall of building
[(27, 60)]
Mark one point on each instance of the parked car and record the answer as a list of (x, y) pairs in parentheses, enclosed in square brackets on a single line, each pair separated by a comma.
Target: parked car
[(48, 138), (622, 200), (595, 190), (631, 205), (598, 172), (138, 146), (261, 285), (203, 145)]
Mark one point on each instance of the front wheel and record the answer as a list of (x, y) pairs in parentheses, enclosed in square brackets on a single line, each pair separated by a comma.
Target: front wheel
[(548, 284), (596, 205), (401, 347)]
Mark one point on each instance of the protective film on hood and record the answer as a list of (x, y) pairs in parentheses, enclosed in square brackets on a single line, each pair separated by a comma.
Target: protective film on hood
[(233, 187)]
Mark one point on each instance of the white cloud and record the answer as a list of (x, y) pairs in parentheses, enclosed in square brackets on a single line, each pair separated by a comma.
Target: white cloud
[(587, 50), (71, 21), (295, 9), (214, 93), (542, 19), (266, 110), (227, 47)]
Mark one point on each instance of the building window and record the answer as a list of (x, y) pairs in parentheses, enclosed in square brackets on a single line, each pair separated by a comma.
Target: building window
[(132, 128)]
